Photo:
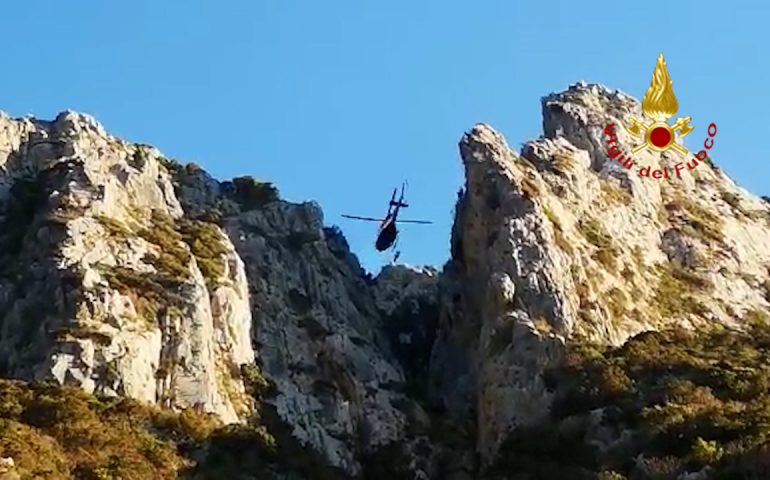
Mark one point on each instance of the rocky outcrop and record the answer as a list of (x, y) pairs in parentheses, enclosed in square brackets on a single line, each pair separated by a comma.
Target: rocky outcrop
[(560, 243), (318, 335), (105, 283), (126, 273), (123, 272)]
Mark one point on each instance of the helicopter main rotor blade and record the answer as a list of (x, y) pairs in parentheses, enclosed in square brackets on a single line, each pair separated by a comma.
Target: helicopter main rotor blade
[(424, 222), (368, 219)]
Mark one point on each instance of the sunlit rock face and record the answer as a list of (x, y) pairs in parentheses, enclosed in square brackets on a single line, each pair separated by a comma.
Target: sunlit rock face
[(558, 242), (123, 272)]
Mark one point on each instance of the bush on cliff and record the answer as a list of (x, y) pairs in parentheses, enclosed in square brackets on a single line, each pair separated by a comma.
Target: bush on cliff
[(663, 404), (53, 432)]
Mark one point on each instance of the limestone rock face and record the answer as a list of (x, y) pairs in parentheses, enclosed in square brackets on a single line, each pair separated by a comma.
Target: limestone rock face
[(317, 333), (125, 273), (558, 242), (101, 284)]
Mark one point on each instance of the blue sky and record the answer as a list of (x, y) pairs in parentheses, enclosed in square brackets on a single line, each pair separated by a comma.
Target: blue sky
[(339, 102)]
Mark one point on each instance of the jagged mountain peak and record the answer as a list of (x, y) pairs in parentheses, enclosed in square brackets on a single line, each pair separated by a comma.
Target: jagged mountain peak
[(123, 272), (559, 242)]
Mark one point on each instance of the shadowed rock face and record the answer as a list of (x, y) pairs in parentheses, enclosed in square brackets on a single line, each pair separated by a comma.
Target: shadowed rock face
[(125, 273)]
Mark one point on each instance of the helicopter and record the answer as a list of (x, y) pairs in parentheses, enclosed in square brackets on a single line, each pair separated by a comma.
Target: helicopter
[(387, 235)]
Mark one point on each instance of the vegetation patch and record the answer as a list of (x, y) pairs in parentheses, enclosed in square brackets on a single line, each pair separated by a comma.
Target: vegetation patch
[(148, 292), (55, 432), (757, 316), (251, 193), (558, 232), (614, 195), (676, 289), (172, 262), (616, 303), (606, 252), (60, 432), (114, 227), (171, 166), (208, 247), (76, 331), (732, 199), (153, 292), (677, 402), (735, 203), (562, 164), (698, 222), (529, 186), (140, 156)]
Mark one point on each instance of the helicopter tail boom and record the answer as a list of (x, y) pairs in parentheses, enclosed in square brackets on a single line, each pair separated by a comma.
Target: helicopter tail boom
[(400, 203)]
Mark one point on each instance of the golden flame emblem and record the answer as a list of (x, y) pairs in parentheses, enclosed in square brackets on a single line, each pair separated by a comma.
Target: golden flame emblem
[(660, 104)]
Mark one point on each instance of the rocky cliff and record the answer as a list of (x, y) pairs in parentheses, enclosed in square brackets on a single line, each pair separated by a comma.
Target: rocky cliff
[(123, 272), (560, 243)]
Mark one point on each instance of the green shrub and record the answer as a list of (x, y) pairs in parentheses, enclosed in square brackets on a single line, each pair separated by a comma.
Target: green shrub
[(253, 380), (706, 452), (176, 241), (114, 227), (207, 245), (61, 432), (252, 194), (172, 261), (677, 288), (148, 292), (681, 400), (55, 432)]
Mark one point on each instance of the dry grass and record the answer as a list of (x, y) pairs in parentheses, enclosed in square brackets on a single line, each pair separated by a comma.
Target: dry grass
[(614, 195), (543, 326), (677, 289), (529, 187), (698, 222), (616, 303), (606, 252), (558, 232), (562, 164)]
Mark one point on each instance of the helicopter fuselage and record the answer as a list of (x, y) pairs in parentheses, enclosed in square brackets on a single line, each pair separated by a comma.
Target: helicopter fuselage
[(387, 235)]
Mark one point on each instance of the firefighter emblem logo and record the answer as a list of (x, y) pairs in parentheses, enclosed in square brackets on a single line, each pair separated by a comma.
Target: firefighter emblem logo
[(659, 105)]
